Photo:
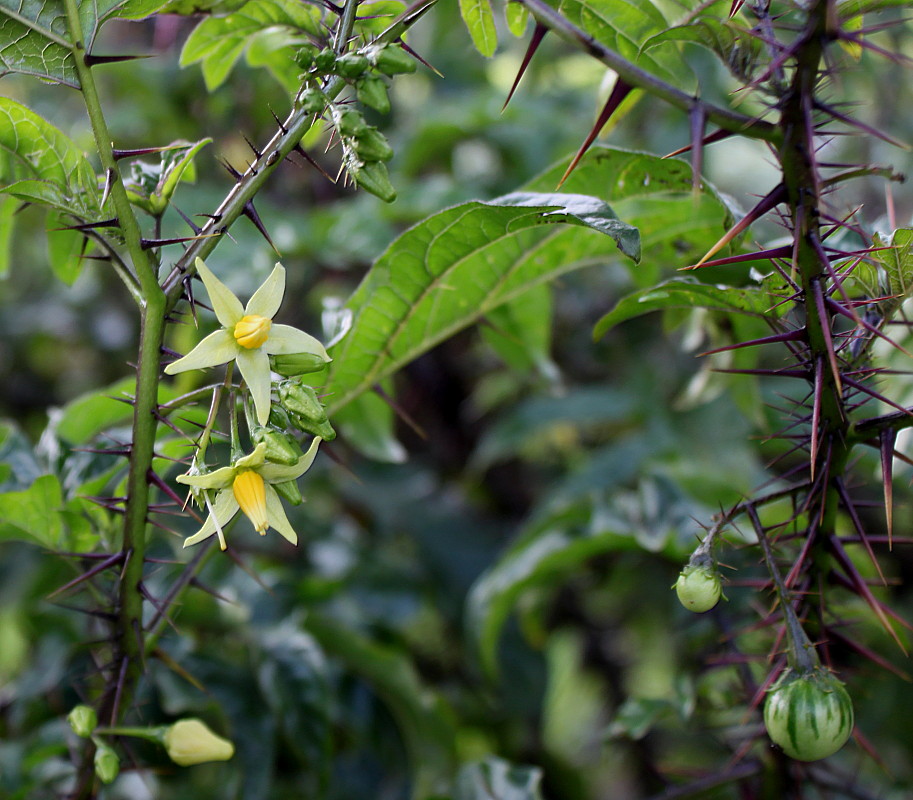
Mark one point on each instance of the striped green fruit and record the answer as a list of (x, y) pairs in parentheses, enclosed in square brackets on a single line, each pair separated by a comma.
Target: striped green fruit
[(809, 714)]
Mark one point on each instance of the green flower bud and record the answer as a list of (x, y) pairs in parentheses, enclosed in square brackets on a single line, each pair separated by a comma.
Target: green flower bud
[(278, 417), (372, 92), (83, 720), (280, 447), (321, 428), (312, 100), (305, 56), (190, 742), (371, 145), (301, 400), (350, 122), (325, 60), (351, 65), (107, 764), (374, 178), (288, 490), (392, 60), (296, 364)]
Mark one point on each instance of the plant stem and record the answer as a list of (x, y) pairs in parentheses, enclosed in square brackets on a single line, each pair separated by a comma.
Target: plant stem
[(128, 643)]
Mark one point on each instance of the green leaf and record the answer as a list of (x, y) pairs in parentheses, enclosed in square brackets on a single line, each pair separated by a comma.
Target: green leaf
[(36, 37), (898, 261), (517, 16), (8, 206), (151, 186), (550, 549), (65, 249), (497, 779), (367, 424), (685, 293), (480, 22), (453, 268), (423, 720), (521, 332), (218, 42), (34, 513), (624, 27), (739, 49)]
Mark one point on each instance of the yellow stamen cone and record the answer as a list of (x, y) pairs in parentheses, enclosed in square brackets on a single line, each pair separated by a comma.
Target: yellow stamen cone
[(250, 493), (252, 331)]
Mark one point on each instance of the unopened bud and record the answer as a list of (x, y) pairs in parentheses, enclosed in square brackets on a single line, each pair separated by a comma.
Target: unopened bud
[(296, 364), (107, 764), (280, 447), (83, 720), (190, 742)]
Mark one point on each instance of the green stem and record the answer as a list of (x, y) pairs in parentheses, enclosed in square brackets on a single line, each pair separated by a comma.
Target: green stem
[(128, 645)]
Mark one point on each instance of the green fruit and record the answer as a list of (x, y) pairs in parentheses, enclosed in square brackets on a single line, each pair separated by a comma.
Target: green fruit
[(809, 715), (698, 588)]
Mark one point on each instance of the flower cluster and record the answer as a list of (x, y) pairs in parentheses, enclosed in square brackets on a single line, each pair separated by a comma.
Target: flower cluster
[(254, 482)]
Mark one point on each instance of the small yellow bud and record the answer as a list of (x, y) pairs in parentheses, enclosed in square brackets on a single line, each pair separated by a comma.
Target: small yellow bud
[(190, 742), (252, 330), (250, 493)]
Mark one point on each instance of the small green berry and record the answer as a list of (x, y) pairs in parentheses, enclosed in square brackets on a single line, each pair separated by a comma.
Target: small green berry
[(698, 588)]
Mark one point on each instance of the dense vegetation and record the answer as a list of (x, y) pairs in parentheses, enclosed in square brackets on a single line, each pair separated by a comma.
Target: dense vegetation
[(575, 424)]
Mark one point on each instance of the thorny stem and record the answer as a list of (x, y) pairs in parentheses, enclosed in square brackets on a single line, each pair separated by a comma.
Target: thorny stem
[(641, 79), (128, 645)]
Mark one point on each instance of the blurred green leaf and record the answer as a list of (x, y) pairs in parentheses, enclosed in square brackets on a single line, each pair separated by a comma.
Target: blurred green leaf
[(367, 424), (218, 42), (448, 271), (480, 22), (517, 16), (685, 293), (34, 513), (521, 332), (424, 722), (497, 779), (65, 249), (8, 206)]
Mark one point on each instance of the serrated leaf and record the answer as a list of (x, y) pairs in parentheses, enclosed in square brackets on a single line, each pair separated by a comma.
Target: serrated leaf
[(218, 42), (497, 779), (451, 269), (516, 15), (898, 261), (685, 293), (36, 38), (480, 22)]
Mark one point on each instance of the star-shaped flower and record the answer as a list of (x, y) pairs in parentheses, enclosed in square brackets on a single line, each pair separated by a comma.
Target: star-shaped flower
[(247, 485), (248, 335)]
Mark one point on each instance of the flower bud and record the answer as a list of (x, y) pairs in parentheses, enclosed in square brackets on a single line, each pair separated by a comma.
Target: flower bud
[(374, 178), (350, 122), (392, 60), (296, 364), (325, 60), (83, 720), (372, 92), (371, 145), (190, 742), (289, 491), (107, 764), (300, 399), (351, 65), (280, 447)]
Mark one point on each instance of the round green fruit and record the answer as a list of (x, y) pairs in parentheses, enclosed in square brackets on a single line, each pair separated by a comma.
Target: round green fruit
[(809, 715), (698, 588)]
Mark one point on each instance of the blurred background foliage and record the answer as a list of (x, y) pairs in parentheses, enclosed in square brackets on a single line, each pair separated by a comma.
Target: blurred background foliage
[(355, 666)]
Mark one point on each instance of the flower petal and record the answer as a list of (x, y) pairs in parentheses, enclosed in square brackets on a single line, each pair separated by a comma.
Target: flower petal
[(285, 340), (217, 479), (268, 297), (280, 473), (223, 509), (275, 513), (252, 460), (218, 348), (254, 366), (227, 306)]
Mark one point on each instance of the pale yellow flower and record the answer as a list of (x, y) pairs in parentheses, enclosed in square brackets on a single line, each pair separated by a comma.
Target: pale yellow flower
[(247, 485), (248, 335)]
